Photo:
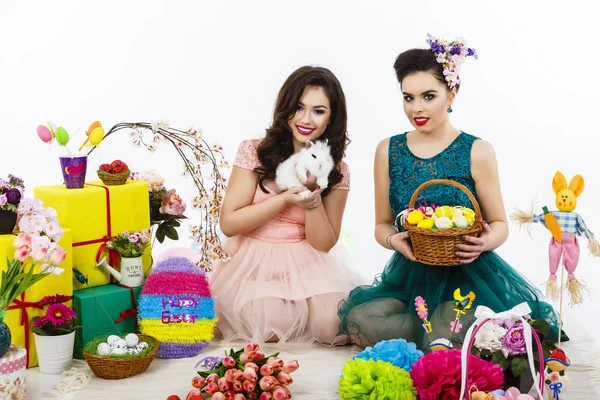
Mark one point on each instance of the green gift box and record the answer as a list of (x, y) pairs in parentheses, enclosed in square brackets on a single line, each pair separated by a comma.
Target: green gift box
[(104, 310)]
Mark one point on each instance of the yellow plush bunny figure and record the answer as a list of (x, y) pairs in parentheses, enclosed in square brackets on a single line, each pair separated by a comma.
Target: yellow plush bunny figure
[(565, 225)]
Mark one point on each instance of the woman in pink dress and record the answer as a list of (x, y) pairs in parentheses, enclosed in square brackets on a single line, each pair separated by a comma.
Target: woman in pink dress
[(285, 279)]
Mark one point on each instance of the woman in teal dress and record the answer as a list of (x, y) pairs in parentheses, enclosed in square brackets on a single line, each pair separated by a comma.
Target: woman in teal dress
[(435, 150)]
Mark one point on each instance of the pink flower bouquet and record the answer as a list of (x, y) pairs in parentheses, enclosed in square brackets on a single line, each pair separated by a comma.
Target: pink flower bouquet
[(58, 320)]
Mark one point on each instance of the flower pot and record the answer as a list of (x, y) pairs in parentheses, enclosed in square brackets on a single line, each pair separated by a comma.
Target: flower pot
[(55, 353), (73, 170), (8, 220), (5, 338)]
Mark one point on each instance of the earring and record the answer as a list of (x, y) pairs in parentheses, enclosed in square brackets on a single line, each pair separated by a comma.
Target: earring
[(449, 109)]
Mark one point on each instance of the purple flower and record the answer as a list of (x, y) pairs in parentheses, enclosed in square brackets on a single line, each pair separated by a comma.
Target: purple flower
[(514, 341), (470, 52), (455, 50), (13, 196), (3, 199)]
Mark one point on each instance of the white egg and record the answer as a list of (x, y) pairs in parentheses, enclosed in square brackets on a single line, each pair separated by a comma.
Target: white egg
[(460, 222), (443, 223), (117, 351), (131, 351), (142, 346), (112, 339), (103, 349), (122, 344), (132, 340)]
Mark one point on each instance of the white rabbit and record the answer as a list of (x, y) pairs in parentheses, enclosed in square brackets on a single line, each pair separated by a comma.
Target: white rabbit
[(315, 159)]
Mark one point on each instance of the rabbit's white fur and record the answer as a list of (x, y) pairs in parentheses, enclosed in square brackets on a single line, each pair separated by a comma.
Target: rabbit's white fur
[(315, 159)]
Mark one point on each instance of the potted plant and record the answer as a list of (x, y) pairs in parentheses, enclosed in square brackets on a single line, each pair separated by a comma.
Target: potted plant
[(11, 193), (131, 247), (166, 206), (54, 334)]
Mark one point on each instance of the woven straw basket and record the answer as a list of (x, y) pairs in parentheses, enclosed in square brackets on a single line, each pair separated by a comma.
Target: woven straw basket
[(113, 179), (119, 368), (438, 246)]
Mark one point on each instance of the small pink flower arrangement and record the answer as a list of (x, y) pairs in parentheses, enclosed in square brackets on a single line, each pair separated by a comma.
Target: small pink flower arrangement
[(130, 244), (58, 320), (166, 206), (244, 374)]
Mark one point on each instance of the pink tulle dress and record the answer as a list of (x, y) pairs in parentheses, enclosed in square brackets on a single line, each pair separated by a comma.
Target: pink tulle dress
[(275, 282)]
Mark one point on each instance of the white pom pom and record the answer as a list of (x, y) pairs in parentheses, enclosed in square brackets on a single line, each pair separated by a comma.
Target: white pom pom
[(132, 340), (112, 340), (103, 349)]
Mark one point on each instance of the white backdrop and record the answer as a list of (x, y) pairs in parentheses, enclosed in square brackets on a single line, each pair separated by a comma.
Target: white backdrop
[(218, 65)]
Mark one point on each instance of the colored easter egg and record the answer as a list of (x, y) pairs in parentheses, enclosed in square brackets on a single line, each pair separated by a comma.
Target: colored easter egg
[(44, 133), (444, 211), (62, 137), (93, 126), (176, 307), (415, 217), (512, 393), (96, 136), (427, 223), (443, 223)]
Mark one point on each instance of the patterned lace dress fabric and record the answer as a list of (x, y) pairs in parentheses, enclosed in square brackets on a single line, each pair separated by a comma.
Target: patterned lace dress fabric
[(385, 309), (276, 283)]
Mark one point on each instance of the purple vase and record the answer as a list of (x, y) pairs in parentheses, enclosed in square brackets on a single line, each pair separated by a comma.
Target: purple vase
[(73, 170)]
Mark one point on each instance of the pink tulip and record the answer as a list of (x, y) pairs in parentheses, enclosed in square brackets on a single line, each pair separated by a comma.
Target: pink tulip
[(211, 388), (253, 366), (267, 383), (290, 366), (223, 384), (218, 396), (258, 357), (266, 396), (284, 378), (229, 395), (249, 386), (23, 239), (22, 253), (237, 386), (251, 347), (192, 393), (198, 382), (40, 255), (239, 396), (212, 378), (230, 375), (250, 375), (245, 358), (275, 362), (239, 375), (58, 256), (281, 393), (229, 362), (266, 370)]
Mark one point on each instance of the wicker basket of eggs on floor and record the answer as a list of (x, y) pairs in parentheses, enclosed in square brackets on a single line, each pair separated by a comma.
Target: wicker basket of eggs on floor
[(435, 231), (116, 357)]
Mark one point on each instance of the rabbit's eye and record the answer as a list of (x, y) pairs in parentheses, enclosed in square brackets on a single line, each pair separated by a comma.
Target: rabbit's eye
[(313, 156)]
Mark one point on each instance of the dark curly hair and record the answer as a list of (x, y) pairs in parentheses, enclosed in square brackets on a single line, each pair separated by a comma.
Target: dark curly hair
[(277, 145), (419, 60)]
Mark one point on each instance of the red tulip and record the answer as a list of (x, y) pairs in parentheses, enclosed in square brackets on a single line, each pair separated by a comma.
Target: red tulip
[(224, 385), (229, 362), (198, 382), (251, 347), (253, 366), (267, 383), (212, 378), (284, 378), (266, 370), (258, 357), (250, 375), (211, 388), (266, 396), (237, 386), (290, 366), (218, 396), (275, 362), (249, 386)]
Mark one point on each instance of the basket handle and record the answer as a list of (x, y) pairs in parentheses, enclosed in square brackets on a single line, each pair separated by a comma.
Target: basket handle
[(463, 188)]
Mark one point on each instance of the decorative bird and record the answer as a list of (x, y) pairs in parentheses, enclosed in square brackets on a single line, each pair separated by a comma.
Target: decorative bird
[(462, 303)]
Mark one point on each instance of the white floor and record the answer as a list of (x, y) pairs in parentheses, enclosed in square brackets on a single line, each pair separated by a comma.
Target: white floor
[(317, 377)]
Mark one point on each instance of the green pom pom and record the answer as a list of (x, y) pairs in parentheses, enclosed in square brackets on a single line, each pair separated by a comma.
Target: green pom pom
[(376, 380)]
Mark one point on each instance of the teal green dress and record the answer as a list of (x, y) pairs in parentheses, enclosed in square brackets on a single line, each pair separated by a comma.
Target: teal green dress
[(385, 310)]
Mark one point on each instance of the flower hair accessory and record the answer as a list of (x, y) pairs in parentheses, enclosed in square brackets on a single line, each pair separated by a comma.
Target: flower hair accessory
[(451, 55)]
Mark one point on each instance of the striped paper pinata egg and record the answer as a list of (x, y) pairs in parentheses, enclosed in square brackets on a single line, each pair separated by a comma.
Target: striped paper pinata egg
[(176, 307)]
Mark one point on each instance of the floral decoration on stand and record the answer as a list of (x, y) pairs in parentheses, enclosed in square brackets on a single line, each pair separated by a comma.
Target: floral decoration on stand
[(166, 206), (244, 374), (11, 193), (197, 156), (130, 244), (59, 319)]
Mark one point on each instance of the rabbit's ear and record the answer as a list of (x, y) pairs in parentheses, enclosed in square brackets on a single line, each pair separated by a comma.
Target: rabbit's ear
[(559, 182), (326, 141), (577, 184)]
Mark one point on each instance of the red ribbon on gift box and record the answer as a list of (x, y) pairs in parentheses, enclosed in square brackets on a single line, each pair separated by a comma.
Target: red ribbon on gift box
[(130, 312), (23, 305), (113, 256)]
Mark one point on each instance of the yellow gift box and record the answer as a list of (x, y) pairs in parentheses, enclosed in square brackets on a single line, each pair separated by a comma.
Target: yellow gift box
[(25, 307), (94, 213)]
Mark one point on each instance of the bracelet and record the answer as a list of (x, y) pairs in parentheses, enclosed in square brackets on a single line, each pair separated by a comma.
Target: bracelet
[(388, 241)]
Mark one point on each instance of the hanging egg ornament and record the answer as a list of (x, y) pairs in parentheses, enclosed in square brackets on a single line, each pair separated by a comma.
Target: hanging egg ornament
[(62, 137), (96, 136), (44, 133)]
